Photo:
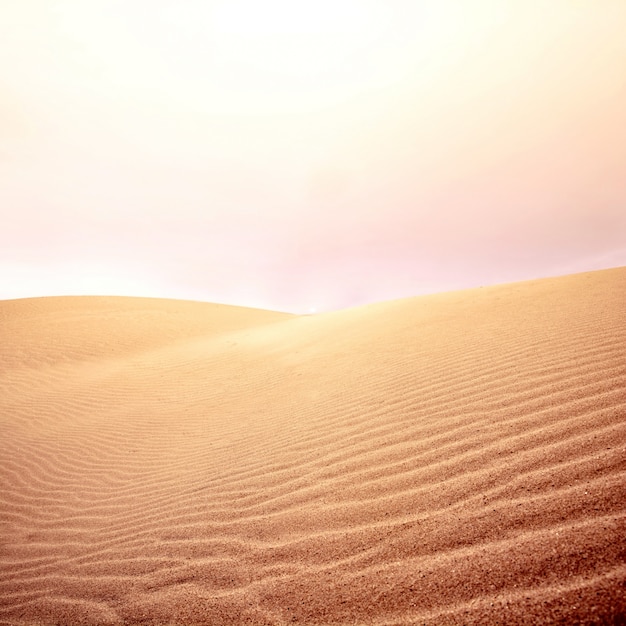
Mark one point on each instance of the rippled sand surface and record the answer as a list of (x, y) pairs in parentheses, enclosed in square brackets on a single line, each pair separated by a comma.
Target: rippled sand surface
[(449, 459)]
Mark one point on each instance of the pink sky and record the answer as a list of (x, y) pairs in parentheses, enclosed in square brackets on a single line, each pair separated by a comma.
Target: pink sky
[(300, 156)]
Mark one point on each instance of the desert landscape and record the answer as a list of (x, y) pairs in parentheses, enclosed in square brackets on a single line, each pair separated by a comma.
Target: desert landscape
[(457, 458)]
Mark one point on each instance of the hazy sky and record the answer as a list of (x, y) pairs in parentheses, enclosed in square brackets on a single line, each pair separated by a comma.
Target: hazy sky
[(319, 154)]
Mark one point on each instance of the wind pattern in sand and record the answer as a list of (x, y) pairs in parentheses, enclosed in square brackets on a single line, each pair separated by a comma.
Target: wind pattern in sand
[(449, 459)]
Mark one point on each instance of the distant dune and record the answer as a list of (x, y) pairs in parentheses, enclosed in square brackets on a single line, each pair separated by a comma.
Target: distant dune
[(449, 459)]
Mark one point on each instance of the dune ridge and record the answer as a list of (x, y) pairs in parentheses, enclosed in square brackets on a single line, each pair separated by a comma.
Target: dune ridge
[(457, 458)]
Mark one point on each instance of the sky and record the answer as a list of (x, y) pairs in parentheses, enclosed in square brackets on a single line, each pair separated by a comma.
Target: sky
[(308, 155)]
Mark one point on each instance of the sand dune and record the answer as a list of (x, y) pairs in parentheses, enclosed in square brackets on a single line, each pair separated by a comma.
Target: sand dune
[(448, 459)]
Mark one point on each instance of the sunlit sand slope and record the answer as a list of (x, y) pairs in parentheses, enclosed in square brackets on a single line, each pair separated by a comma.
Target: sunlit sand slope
[(449, 459)]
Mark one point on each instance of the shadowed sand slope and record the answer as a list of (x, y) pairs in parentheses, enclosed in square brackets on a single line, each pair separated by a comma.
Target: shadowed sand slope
[(448, 459)]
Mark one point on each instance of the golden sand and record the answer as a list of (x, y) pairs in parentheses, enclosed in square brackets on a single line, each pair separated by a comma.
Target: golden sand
[(449, 459)]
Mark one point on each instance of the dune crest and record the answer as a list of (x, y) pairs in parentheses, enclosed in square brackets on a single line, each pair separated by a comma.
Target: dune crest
[(450, 459)]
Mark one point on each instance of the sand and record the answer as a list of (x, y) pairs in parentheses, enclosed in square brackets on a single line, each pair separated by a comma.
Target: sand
[(450, 459)]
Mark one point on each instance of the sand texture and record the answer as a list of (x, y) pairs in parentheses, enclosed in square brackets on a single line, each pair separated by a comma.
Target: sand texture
[(449, 459)]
